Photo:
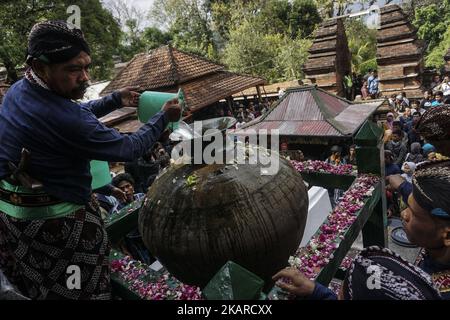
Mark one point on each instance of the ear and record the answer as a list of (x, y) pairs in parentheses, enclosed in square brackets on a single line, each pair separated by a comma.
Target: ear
[(41, 69), (446, 236)]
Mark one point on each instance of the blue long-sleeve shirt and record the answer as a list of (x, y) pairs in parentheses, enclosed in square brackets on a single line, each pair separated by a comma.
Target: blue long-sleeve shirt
[(63, 136)]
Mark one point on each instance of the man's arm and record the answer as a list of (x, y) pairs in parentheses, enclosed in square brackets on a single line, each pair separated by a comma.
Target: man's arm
[(105, 105), (96, 141), (88, 138)]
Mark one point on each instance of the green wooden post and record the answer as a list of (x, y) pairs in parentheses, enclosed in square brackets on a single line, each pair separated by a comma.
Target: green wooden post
[(370, 159)]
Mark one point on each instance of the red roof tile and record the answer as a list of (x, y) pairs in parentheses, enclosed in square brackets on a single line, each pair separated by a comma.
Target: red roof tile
[(309, 111), (160, 68), (214, 87)]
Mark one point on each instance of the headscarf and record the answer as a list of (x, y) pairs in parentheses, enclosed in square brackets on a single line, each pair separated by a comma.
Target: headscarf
[(435, 123), (427, 148), (416, 153), (411, 165), (412, 168), (431, 187), (380, 274), (55, 42), (415, 148)]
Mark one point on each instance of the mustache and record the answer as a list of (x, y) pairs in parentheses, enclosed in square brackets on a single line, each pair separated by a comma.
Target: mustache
[(82, 87)]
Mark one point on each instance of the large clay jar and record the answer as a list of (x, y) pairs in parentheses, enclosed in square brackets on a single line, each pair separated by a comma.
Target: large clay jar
[(197, 217)]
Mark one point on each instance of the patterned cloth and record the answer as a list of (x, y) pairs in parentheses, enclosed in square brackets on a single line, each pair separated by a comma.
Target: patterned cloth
[(435, 123), (431, 187), (390, 277), (55, 42), (35, 255)]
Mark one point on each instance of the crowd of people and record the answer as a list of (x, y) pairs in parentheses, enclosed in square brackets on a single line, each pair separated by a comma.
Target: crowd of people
[(51, 219), (424, 187), (244, 114)]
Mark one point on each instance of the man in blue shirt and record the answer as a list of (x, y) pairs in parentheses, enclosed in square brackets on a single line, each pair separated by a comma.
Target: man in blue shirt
[(427, 224), (372, 85), (56, 228)]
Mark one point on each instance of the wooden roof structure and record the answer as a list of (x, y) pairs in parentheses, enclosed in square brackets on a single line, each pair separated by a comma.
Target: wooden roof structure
[(169, 69), (310, 111)]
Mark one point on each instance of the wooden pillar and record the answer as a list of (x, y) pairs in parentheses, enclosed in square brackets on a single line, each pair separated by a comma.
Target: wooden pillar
[(230, 104), (370, 159), (258, 90)]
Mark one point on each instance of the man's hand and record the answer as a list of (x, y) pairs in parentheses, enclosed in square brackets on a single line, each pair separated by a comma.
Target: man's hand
[(119, 194), (395, 181), (172, 109), (130, 96), (300, 285)]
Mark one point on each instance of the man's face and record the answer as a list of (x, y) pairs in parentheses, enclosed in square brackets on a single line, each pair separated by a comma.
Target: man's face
[(406, 168), (407, 112), (396, 137), (69, 79), (438, 97), (416, 119), (420, 226), (387, 159), (426, 95), (128, 188)]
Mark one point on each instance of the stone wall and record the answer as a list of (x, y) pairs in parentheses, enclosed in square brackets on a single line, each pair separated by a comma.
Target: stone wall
[(399, 54), (329, 58)]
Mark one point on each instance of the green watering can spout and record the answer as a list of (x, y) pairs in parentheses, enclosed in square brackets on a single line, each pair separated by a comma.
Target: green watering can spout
[(151, 102)]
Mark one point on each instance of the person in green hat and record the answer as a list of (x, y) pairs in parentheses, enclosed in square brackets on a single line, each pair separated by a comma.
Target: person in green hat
[(53, 244)]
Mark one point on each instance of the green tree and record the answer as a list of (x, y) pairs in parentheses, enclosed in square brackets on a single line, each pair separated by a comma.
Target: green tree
[(433, 26), (17, 17), (273, 56), (154, 37), (16, 20), (435, 58), (362, 43), (188, 23), (131, 22)]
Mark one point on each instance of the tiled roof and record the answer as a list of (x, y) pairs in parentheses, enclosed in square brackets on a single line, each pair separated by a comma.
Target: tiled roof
[(310, 111), (268, 89), (202, 92), (160, 68), (118, 116)]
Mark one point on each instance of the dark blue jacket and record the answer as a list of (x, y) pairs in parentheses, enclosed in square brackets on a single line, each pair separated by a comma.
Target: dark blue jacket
[(63, 136)]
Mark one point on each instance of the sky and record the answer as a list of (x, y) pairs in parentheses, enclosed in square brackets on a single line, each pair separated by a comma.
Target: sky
[(141, 4)]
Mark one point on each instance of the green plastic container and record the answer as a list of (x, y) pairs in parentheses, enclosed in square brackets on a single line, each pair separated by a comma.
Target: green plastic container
[(151, 102), (234, 282), (100, 174)]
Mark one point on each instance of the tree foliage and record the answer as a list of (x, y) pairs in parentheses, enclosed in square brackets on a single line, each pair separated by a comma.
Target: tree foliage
[(433, 26), (187, 23), (362, 43), (17, 17)]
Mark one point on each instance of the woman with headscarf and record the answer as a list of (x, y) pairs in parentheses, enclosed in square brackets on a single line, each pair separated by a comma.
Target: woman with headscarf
[(388, 125), (408, 169), (375, 274), (416, 153)]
